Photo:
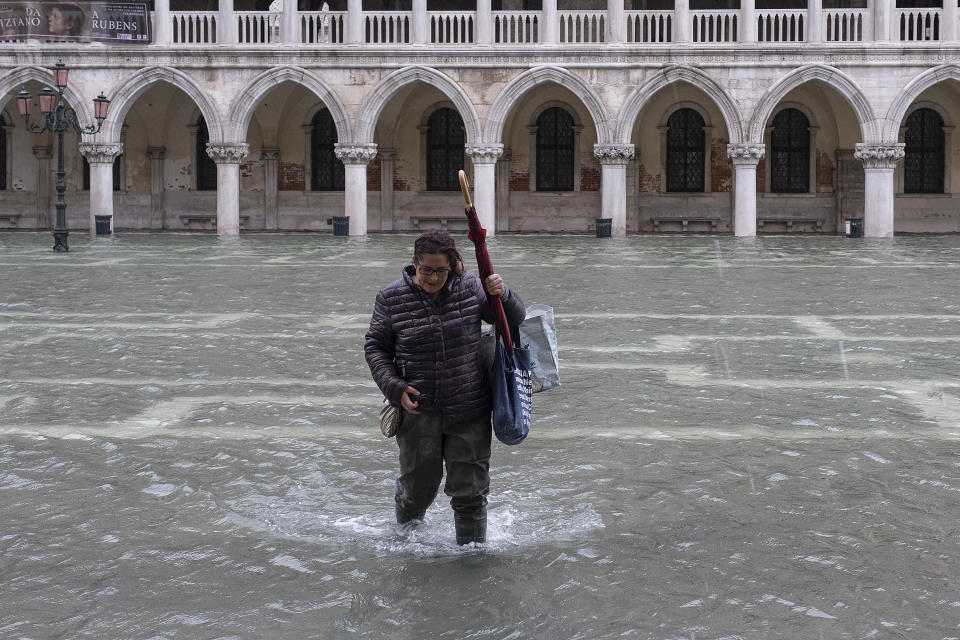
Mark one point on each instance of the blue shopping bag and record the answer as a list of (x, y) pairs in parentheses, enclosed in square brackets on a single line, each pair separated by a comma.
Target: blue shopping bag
[(512, 388)]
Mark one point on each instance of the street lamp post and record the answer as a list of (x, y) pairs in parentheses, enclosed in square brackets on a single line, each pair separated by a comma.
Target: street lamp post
[(58, 117)]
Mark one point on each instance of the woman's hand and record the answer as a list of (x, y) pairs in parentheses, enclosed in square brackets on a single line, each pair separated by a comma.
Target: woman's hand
[(409, 400), (494, 285)]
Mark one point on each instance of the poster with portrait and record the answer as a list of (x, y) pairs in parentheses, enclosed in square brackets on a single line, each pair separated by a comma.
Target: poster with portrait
[(76, 20)]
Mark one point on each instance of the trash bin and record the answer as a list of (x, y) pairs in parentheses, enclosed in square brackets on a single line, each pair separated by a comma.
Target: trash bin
[(604, 227), (853, 227), (102, 224), (341, 225)]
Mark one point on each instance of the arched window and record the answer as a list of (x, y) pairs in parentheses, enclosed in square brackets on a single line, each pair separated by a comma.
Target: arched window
[(555, 150), (790, 153), (445, 144), (686, 151), (3, 154), (924, 160), (206, 167), (326, 167)]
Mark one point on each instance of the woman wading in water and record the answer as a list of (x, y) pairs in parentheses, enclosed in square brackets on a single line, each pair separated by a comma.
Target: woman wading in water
[(423, 348)]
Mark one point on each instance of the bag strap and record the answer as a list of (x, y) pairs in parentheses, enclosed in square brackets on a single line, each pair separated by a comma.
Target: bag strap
[(514, 335)]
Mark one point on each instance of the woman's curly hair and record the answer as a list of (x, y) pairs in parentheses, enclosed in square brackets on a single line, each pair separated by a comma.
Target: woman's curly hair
[(439, 241)]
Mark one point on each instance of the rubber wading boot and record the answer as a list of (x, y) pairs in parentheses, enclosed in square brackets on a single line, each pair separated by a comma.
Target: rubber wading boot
[(405, 518), (470, 528)]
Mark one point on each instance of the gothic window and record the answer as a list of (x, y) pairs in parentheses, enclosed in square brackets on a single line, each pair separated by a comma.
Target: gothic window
[(686, 151), (790, 153), (445, 143), (923, 165), (116, 174), (206, 167), (3, 154), (555, 150), (326, 167)]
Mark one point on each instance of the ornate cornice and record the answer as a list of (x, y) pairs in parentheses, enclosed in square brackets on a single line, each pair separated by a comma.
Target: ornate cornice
[(227, 153), (745, 153), (879, 156), (484, 153), (613, 153), (355, 153), (101, 152)]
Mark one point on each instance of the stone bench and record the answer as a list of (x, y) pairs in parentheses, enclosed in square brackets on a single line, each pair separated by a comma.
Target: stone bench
[(208, 220), (11, 220), (684, 221), (789, 222)]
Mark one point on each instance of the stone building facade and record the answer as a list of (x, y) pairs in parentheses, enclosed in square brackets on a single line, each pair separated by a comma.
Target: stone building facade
[(729, 116)]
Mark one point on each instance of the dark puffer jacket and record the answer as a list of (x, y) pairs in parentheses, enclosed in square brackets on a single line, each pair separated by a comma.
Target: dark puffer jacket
[(433, 344)]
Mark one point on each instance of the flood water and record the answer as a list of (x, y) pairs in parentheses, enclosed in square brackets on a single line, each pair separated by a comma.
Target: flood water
[(753, 439)]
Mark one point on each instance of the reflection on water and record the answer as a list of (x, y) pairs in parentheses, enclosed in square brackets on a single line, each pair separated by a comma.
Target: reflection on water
[(754, 439)]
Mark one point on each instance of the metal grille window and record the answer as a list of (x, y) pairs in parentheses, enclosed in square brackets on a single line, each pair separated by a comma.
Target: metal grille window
[(790, 153), (445, 143), (326, 168), (686, 151), (3, 154), (923, 165), (555, 150), (206, 167)]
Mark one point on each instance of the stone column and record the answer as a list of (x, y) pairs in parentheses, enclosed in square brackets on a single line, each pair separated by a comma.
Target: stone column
[(43, 155), (613, 184), (100, 157), (271, 166), (551, 23), (386, 189), (745, 158), (228, 157), (682, 21), (948, 28), (355, 22), (161, 22), (503, 190), (815, 22), (882, 19), (290, 23), (484, 33), (355, 158), (484, 158), (879, 163), (616, 22), (421, 23), (157, 189), (748, 21), (226, 23)]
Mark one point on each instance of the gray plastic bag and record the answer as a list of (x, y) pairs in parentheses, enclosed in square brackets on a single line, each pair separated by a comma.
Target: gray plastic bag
[(540, 332)]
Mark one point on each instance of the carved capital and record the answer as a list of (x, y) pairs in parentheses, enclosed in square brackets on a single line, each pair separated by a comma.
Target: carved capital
[(156, 153), (484, 153), (745, 153), (43, 152), (613, 153), (269, 154), (355, 153), (100, 152), (227, 153), (879, 156)]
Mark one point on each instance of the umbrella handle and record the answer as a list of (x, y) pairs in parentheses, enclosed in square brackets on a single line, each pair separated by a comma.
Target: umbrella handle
[(465, 187)]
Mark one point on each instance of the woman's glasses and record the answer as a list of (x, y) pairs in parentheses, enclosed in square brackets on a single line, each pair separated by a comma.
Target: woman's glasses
[(430, 271)]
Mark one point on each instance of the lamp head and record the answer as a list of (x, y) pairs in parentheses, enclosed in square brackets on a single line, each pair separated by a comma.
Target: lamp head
[(47, 100), (100, 106), (24, 102), (60, 72)]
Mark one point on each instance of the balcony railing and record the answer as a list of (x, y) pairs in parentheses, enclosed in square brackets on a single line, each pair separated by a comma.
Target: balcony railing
[(649, 26), (567, 27), (715, 26), (844, 25)]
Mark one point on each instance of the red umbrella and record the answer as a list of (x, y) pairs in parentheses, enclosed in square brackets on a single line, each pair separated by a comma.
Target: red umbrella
[(478, 235)]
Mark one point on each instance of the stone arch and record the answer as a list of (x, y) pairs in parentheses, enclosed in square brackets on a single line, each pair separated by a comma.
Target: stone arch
[(670, 75), (377, 99), (677, 106), (516, 88), (130, 91), (901, 104), (832, 77), (246, 103), (933, 106), (15, 79)]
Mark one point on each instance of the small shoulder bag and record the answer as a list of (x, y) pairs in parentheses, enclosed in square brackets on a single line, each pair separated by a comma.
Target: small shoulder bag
[(390, 419)]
